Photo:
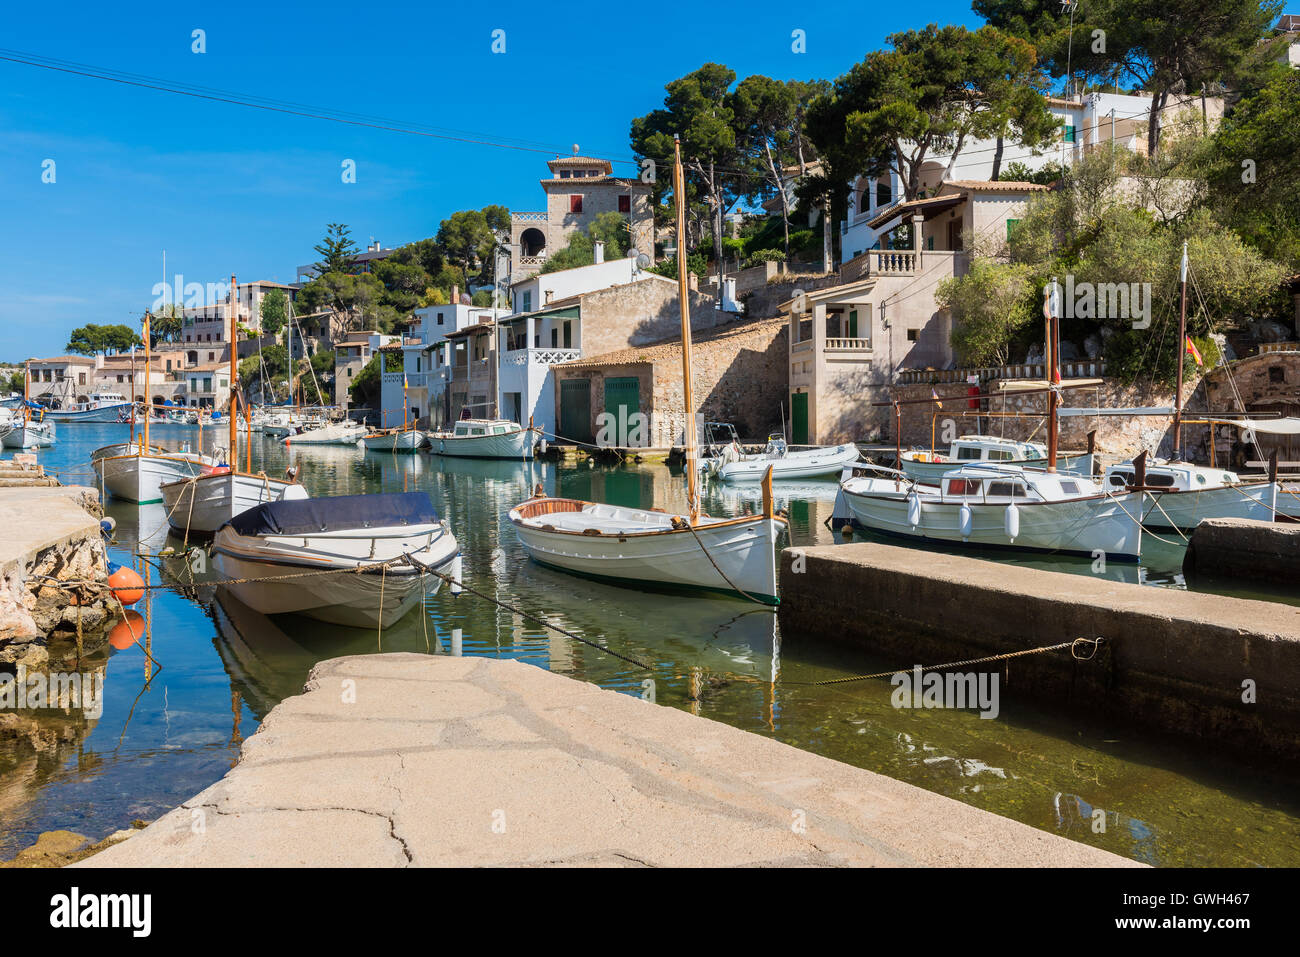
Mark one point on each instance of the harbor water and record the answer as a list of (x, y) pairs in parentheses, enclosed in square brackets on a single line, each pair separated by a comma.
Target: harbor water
[(222, 667)]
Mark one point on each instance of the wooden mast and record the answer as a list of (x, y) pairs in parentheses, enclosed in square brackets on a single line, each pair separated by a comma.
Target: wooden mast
[(1182, 349), (133, 395), (234, 376), (683, 296), (1053, 372), (144, 438)]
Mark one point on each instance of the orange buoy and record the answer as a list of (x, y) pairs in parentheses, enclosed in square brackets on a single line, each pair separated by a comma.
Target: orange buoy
[(126, 583), (127, 631)]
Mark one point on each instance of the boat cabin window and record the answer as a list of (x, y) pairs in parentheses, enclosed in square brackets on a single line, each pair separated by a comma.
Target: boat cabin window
[(476, 431), (499, 430), (968, 454), (1069, 488), (1001, 455), (1007, 489), (963, 487), (1120, 478), (1161, 481)]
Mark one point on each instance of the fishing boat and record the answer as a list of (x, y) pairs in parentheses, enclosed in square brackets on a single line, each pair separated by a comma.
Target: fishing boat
[(334, 433), (929, 467), (200, 505), (486, 439), (651, 549), (133, 471), (733, 464), (29, 433), (393, 440), (99, 407), (377, 555), (1180, 495), (1000, 505)]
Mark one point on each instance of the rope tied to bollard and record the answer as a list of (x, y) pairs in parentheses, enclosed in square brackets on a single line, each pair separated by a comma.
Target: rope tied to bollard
[(1091, 644)]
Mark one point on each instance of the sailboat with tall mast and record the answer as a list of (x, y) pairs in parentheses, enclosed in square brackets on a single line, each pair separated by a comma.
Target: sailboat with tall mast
[(26, 432), (995, 505), (202, 504), (134, 471), (648, 548)]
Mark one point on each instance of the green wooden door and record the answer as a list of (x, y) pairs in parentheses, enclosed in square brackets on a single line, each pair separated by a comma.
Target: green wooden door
[(622, 402), (575, 410), (853, 323), (799, 418)]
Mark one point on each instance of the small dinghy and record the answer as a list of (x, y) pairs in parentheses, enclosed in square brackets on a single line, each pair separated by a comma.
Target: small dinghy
[(375, 553), (733, 464)]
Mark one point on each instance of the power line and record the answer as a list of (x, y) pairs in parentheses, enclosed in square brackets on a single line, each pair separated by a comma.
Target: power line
[(279, 106)]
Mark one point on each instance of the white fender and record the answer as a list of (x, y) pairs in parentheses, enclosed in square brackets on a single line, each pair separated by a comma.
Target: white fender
[(913, 510), (967, 519), (1011, 521), (455, 574)]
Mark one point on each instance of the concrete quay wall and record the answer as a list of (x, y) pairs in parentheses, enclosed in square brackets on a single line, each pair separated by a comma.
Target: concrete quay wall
[(1245, 549), (1177, 661)]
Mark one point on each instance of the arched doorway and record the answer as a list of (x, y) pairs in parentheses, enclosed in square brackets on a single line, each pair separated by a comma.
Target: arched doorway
[(532, 242)]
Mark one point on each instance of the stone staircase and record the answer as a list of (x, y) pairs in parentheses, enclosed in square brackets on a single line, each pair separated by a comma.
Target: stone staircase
[(23, 471)]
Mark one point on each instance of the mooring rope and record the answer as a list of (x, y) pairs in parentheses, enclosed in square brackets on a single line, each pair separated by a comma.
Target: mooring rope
[(1092, 643)]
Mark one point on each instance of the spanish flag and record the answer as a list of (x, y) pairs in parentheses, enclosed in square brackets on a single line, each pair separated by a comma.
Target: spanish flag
[(1191, 350), (405, 386), (935, 395)]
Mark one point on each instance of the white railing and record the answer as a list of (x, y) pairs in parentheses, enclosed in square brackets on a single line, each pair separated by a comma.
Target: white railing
[(848, 345), (1075, 369), (802, 345), (531, 216), (532, 260), (893, 262), (519, 357)]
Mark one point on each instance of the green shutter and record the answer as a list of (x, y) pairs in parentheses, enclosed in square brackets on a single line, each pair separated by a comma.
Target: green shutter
[(622, 401), (575, 411), (799, 418), (853, 323)]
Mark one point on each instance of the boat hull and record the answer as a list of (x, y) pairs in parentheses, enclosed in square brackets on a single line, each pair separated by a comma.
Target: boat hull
[(105, 413), (327, 435), (201, 505), (408, 441), (1185, 510), (317, 577), (512, 445), (930, 473), (795, 465), (1097, 526), (138, 478), (31, 435), (738, 555)]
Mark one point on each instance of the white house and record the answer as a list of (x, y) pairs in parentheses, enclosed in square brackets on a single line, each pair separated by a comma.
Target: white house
[(426, 362), (1094, 121)]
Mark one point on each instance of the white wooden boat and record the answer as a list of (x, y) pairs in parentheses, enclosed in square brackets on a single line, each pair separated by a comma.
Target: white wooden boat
[(202, 504), (929, 467), (345, 538), (30, 434), (393, 440), (133, 473), (652, 550), (732, 464), (1000, 506), (1180, 495), (335, 433), (486, 439), (100, 407)]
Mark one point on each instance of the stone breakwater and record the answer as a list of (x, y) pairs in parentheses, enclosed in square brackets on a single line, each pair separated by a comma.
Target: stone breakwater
[(49, 535)]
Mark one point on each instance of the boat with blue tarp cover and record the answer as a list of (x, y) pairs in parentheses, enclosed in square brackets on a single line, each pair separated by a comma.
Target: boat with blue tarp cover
[(289, 557)]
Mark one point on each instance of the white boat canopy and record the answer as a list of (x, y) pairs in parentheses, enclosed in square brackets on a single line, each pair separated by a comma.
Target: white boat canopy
[(1288, 426)]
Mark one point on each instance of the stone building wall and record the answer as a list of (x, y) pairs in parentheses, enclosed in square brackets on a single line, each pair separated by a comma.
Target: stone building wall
[(739, 376), (599, 195), (640, 313)]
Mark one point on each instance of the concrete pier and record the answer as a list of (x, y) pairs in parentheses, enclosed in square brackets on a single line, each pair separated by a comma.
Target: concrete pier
[(1245, 549), (1219, 669), (407, 760)]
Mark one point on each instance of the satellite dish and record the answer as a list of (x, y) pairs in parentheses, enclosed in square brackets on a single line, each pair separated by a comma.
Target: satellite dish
[(632, 253), (642, 261)]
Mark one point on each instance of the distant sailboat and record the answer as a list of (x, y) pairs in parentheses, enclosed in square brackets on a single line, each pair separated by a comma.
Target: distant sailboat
[(201, 505)]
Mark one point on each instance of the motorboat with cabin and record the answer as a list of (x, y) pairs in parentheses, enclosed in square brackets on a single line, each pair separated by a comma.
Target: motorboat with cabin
[(929, 466), (486, 439), (731, 463)]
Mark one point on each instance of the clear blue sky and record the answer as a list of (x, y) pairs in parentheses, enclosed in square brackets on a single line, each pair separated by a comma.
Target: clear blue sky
[(224, 188)]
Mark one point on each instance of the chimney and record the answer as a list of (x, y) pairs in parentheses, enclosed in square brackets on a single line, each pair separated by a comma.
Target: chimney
[(455, 295), (599, 248)]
